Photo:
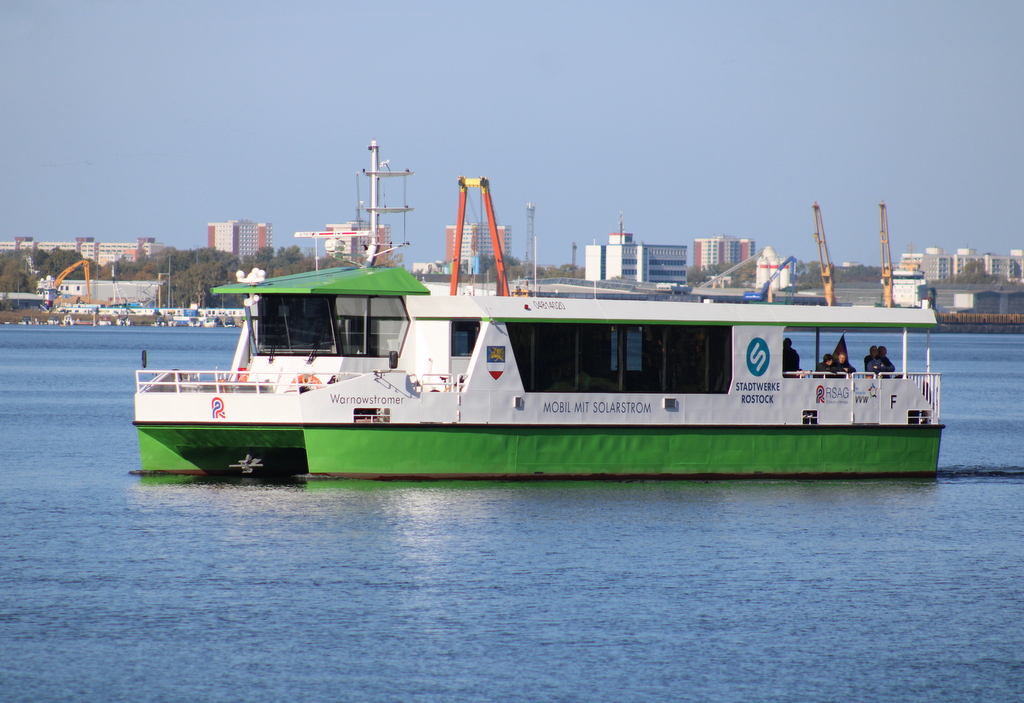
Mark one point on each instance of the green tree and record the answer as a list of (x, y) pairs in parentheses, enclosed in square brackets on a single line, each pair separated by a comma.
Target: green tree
[(14, 276), (194, 283), (858, 274), (696, 275), (261, 259), (53, 263), (974, 272)]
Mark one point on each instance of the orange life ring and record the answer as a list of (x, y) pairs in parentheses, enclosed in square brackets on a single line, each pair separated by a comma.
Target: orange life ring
[(241, 377), (307, 379)]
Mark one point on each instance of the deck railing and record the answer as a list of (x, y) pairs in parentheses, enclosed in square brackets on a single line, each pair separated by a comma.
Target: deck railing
[(181, 381), (430, 382), (930, 385)]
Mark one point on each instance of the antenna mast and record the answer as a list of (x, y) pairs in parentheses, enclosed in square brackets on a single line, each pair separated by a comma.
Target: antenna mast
[(375, 209), (531, 209)]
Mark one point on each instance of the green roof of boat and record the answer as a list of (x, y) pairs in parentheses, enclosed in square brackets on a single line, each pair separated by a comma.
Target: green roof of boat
[(335, 281)]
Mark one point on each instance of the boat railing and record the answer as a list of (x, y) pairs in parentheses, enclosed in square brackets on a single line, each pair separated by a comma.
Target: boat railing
[(928, 383), (830, 374), (445, 382), (182, 381)]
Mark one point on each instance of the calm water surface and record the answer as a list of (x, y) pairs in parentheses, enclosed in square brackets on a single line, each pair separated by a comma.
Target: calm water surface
[(116, 588)]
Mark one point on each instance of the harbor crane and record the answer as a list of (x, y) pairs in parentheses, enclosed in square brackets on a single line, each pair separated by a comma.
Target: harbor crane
[(499, 260), (883, 237), (51, 289), (827, 270)]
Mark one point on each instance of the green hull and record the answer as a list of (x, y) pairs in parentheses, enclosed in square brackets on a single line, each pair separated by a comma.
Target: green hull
[(217, 450), (403, 452)]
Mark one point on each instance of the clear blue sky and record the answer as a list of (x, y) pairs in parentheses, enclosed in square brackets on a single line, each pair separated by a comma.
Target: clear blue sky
[(142, 118)]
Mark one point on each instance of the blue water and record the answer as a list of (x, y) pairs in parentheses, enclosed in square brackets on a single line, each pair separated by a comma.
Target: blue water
[(114, 587)]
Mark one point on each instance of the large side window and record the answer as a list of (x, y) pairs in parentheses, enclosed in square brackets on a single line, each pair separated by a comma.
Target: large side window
[(645, 358), (603, 358), (699, 359), (555, 357), (599, 358)]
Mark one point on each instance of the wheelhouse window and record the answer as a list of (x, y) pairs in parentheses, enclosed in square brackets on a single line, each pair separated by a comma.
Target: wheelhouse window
[(595, 358), (387, 326), (330, 325), (295, 324)]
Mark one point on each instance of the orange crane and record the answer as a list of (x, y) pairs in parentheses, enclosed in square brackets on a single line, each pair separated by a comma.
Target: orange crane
[(827, 270), (499, 261), (883, 236)]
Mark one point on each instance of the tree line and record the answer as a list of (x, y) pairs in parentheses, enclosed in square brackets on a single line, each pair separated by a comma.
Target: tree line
[(188, 274)]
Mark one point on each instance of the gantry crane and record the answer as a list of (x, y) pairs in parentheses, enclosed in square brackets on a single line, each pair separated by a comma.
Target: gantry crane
[(883, 237), (499, 261), (827, 270)]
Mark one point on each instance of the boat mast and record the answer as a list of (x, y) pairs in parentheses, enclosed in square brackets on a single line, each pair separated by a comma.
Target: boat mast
[(375, 173), (374, 186)]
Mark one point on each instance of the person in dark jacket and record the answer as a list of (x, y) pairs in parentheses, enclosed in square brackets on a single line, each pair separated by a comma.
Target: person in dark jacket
[(872, 355), (827, 365), (881, 364), (843, 365), (790, 357)]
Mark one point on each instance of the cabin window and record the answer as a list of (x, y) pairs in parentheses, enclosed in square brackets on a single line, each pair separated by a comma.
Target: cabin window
[(596, 358), (295, 324), (351, 325), (370, 326), (555, 354), (387, 325), (599, 358), (700, 360), (464, 334)]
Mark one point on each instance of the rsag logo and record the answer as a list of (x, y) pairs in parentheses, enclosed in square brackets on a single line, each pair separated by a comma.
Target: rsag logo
[(758, 356), (832, 395), (217, 406)]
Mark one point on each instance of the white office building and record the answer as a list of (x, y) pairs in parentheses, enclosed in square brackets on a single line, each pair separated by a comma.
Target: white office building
[(625, 259)]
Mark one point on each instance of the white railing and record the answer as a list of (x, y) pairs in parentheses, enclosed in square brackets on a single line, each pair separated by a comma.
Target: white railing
[(446, 382), (181, 381), (930, 385)]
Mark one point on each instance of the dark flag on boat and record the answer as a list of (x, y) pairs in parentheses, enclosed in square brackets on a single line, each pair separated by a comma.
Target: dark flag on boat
[(841, 347)]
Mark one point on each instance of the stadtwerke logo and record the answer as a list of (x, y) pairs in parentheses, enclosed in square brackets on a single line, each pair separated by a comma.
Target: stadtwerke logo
[(758, 356)]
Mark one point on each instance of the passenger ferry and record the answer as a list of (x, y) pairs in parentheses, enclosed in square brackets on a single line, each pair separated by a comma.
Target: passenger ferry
[(362, 373)]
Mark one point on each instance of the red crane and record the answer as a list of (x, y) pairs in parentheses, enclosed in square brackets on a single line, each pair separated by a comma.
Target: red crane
[(499, 261)]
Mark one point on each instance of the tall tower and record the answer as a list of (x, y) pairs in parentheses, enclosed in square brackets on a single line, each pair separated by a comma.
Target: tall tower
[(530, 243)]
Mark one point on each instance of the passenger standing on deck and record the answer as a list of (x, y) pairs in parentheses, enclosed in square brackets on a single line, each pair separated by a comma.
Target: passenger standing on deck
[(872, 355), (790, 357), (827, 364), (881, 364), (843, 365)]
